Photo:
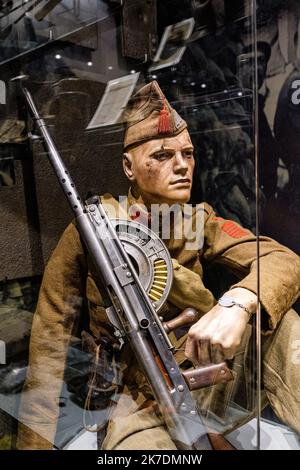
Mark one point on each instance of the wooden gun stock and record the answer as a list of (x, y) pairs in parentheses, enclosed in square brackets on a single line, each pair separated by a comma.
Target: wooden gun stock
[(206, 376)]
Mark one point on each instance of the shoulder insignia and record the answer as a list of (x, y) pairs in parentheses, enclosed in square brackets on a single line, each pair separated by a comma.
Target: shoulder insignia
[(234, 230)]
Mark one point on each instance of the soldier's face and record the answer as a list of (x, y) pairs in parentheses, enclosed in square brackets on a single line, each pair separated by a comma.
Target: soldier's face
[(161, 170)]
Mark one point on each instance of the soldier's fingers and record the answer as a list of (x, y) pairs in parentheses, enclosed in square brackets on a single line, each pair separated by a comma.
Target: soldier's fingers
[(216, 353), (191, 350), (204, 352)]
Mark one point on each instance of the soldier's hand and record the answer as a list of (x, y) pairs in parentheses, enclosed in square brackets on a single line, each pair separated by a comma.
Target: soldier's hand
[(218, 333)]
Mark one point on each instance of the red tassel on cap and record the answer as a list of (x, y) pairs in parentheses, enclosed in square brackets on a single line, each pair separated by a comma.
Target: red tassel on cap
[(164, 124)]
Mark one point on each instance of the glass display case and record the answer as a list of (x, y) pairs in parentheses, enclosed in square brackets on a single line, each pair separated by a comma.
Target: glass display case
[(231, 71)]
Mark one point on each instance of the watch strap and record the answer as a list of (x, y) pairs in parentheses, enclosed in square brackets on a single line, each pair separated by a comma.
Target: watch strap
[(231, 302)]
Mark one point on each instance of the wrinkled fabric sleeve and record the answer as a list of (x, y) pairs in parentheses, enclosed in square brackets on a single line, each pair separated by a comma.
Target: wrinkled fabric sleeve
[(227, 243), (54, 321)]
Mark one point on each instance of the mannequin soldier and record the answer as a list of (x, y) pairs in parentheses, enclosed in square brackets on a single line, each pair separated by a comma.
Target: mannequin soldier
[(158, 162)]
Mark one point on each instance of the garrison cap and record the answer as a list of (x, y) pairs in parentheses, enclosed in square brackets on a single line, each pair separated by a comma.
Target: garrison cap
[(149, 115)]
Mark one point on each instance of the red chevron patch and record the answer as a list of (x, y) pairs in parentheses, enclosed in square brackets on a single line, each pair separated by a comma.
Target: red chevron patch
[(234, 230)]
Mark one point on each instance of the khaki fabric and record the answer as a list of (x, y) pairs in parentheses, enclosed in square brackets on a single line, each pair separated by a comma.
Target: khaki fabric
[(69, 277), (144, 113), (142, 430), (12, 131), (281, 362)]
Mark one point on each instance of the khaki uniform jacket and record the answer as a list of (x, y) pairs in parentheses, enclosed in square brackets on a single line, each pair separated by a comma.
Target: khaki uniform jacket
[(69, 277)]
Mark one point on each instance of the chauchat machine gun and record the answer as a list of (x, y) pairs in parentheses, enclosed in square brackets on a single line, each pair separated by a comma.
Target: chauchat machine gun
[(135, 268)]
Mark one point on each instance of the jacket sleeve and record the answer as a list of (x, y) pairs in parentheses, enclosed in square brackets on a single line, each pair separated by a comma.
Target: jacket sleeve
[(54, 322), (228, 243)]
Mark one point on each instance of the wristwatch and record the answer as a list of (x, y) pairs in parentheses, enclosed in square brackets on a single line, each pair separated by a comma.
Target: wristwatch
[(227, 301)]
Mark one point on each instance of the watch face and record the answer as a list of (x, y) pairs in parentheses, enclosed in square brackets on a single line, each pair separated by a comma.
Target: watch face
[(226, 302)]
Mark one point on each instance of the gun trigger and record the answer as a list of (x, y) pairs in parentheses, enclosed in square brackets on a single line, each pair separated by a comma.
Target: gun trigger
[(114, 320)]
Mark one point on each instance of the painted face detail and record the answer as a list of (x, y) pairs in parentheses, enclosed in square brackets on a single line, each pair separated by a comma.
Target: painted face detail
[(162, 169)]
